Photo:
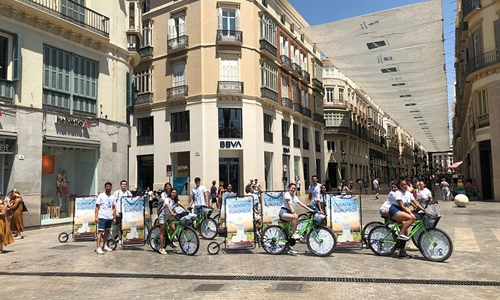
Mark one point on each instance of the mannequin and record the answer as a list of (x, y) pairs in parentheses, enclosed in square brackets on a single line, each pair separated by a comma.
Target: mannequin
[(62, 186)]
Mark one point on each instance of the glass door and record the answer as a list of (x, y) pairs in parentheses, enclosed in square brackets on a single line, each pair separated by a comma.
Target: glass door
[(229, 173)]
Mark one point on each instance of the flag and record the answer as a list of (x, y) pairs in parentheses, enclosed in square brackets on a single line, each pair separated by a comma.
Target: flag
[(86, 124)]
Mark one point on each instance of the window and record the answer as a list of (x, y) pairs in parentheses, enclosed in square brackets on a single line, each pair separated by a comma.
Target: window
[(230, 123), (229, 69), (482, 100), (496, 30), (131, 15), (330, 96), (335, 119), (341, 146), (69, 82), (147, 34), (143, 81), (341, 95), (179, 74), (296, 137), (316, 141), (283, 46), (269, 74), (228, 21), (268, 29), (179, 126), (145, 131), (176, 27), (476, 44), (285, 127), (268, 128), (330, 145), (317, 71), (74, 9), (305, 138), (305, 99), (295, 92), (10, 45), (146, 6), (284, 87)]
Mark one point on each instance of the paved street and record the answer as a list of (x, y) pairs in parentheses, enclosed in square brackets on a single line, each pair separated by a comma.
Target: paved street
[(40, 267)]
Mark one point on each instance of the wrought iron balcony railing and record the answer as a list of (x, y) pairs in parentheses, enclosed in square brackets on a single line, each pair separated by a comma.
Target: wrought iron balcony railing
[(145, 140), (306, 75), (267, 93), (285, 140), (177, 92), (296, 68), (318, 118), (296, 143), (469, 6), (482, 61), (146, 51), (306, 112), (305, 145), (179, 42), (285, 102), (179, 136), (73, 12), (266, 46), (230, 87), (229, 36), (6, 91), (268, 137), (286, 61), (144, 98), (317, 83), (298, 108)]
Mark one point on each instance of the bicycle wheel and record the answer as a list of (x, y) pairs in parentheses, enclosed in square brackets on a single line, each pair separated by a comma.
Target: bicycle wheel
[(303, 217), (63, 237), (416, 237), (213, 248), (366, 230), (208, 229), (217, 219), (189, 241), (300, 225), (112, 244), (436, 245), (321, 241), (274, 240), (382, 241), (154, 238)]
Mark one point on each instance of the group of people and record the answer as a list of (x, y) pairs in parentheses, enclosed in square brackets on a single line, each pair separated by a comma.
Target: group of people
[(11, 208)]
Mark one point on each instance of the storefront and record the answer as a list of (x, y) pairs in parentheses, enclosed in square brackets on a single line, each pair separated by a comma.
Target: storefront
[(6, 156)]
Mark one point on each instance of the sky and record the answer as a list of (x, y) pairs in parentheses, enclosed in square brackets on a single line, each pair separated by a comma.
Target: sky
[(317, 12)]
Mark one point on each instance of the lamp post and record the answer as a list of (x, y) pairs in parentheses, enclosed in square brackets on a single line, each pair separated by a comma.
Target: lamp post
[(343, 165)]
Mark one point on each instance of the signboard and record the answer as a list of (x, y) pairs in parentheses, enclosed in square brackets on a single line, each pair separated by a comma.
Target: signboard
[(271, 205), (181, 184), (84, 220), (169, 170), (230, 144), (48, 164), (133, 220), (345, 220), (239, 221)]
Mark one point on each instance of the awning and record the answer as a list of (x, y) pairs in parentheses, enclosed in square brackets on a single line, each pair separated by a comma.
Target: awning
[(455, 165), (71, 141), (8, 135)]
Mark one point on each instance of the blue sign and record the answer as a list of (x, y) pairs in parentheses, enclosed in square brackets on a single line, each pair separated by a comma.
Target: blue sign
[(286, 150), (230, 144)]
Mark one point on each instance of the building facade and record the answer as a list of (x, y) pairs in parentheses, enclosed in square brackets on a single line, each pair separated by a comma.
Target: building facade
[(476, 138), (63, 121), (232, 91)]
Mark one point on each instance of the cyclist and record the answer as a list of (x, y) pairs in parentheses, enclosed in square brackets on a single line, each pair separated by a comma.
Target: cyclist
[(172, 208), (199, 197), (164, 198), (424, 196), (287, 211)]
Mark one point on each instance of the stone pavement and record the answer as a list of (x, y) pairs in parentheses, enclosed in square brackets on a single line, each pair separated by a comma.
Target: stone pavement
[(40, 267)]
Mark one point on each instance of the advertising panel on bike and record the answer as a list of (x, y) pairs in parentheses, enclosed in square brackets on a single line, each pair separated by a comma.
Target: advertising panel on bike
[(272, 202), (147, 212), (133, 220), (84, 218), (328, 202), (239, 221), (346, 222)]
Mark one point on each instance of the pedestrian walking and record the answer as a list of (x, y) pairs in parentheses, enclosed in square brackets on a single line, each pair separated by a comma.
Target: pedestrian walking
[(15, 209), (298, 183), (105, 216), (5, 233), (376, 186)]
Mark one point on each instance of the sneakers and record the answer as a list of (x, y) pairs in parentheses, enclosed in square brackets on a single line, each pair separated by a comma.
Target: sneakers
[(162, 251), (99, 251), (404, 255), (403, 237), (106, 248), (292, 251), (295, 236)]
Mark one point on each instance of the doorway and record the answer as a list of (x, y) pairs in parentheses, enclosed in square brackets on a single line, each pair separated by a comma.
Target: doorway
[(332, 175), (145, 172), (485, 162), (229, 171)]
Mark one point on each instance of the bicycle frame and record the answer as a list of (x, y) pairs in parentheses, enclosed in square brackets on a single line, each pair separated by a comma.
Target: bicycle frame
[(417, 225)]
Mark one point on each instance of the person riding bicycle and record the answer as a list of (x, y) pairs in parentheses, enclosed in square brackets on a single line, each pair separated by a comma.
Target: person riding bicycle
[(199, 197), (160, 209), (287, 211), (172, 208)]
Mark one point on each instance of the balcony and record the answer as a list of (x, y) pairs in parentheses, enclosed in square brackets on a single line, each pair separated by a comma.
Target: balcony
[(267, 93), (230, 87), (336, 103), (285, 140), (177, 92), (306, 112), (296, 143), (74, 13), (305, 76), (265, 46), (482, 61), (318, 118), (229, 37), (318, 84), (298, 108), (285, 102), (146, 52), (179, 136), (177, 43), (145, 140), (6, 91), (145, 98), (469, 6), (296, 69), (286, 62), (268, 137)]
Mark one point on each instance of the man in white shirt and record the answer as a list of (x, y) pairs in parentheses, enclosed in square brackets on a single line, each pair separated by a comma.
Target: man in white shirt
[(105, 216), (199, 196), (376, 186), (314, 193), (122, 192)]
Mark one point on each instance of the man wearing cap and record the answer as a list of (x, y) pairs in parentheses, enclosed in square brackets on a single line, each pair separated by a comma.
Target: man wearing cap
[(199, 196)]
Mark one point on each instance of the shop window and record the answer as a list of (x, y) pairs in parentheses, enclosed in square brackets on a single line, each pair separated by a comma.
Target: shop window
[(179, 126), (230, 123), (145, 131)]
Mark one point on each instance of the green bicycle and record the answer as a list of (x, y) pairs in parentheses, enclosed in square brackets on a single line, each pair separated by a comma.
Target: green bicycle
[(433, 243), (187, 237), (320, 240), (207, 225)]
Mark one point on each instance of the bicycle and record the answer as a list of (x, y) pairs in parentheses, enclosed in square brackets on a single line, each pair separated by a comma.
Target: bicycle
[(187, 237), (113, 239), (433, 243), (206, 225), (320, 240)]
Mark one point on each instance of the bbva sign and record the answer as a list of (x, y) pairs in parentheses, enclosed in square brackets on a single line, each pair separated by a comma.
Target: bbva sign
[(230, 144)]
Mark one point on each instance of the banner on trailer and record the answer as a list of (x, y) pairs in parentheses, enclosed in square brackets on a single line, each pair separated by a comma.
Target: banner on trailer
[(346, 221), (225, 196), (133, 220), (271, 205), (181, 184), (84, 218), (239, 221), (329, 201), (147, 212)]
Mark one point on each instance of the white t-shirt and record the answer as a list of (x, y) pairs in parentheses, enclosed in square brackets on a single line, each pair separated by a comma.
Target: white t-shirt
[(105, 203), (424, 194), (293, 199), (315, 190), (406, 197), (118, 195), (170, 202), (199, 196), (375, 183), (162, 202), (391, 199)]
